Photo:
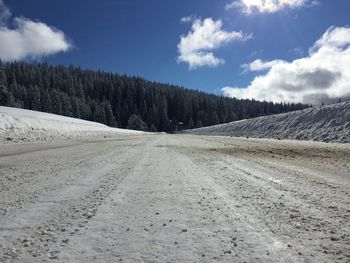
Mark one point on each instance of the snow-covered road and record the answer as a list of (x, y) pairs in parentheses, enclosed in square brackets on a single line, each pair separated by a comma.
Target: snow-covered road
[(175, 198)]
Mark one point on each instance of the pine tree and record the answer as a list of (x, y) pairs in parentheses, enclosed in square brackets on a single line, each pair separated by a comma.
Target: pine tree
[(199, 124), (3, 86), (190, 124), (214, 118), (46, 105), (35, 102), (110, 120), (11, 101), (75, 107), (163, 116), (152, 117), (66, 104), (152, 128), (55, 102), (136, 123)]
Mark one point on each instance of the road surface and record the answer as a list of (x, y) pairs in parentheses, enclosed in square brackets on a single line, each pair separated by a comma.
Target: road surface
[(175, 198)]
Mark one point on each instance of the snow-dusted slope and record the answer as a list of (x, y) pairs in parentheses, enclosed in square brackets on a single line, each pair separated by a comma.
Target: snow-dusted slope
[(327, 123), (26, 125)]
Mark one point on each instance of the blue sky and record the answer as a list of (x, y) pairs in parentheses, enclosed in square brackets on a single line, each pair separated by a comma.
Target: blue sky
[(141, 37)]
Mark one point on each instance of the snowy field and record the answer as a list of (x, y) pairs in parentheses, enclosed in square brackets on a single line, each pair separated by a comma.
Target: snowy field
[(326, 124), (29, 126)]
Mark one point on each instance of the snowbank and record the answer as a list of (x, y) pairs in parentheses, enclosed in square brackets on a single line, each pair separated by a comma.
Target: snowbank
[(26, 125), (327, 123)]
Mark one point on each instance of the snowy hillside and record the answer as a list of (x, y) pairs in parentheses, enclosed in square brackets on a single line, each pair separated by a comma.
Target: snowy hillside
[(328, 124), (26, 125)]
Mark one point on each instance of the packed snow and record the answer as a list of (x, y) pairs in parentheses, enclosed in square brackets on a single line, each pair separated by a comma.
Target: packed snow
[(329, 123), (175, 198), (27, 125)]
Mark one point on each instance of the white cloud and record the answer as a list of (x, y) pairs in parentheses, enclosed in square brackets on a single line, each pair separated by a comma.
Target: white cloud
[(322, 75), (28, 39), (205, 35), (259, 65), (337, 37), (187, 19), (297, 51), (5, 13), (268, 6)]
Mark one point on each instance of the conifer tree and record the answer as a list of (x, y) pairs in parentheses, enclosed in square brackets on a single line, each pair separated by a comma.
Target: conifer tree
[(136, 123), (190, 124), (3, 86)]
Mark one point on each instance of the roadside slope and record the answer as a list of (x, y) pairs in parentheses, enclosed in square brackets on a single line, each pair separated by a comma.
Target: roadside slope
[(327, 124), (27, 125)]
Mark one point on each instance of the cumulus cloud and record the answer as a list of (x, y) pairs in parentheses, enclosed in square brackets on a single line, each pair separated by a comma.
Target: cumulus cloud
[(27, 38), (322, 75), (268, 6), (206, 35)]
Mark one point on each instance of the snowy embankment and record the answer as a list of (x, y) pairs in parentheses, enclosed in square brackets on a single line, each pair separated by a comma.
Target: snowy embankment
[(327, 124), (26, 125)]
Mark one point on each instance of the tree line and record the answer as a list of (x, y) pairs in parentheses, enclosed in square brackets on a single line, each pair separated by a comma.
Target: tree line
[(120, 100)]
